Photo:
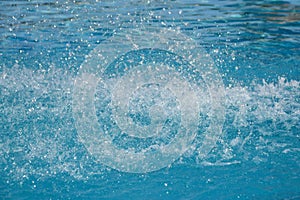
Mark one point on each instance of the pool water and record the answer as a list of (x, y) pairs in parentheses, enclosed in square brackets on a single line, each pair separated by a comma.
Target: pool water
[(150, 99)]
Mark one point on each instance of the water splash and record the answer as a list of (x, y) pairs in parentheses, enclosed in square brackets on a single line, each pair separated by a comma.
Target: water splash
[(127, 64), (262, 121), (39, 139)]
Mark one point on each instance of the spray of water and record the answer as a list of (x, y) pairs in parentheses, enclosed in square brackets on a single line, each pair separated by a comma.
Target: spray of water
[(156, 84), (41, 136)]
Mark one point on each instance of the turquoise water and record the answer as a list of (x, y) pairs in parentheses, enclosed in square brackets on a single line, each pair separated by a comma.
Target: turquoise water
[(149, 99)]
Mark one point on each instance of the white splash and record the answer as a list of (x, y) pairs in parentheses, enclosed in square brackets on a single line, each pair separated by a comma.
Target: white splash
[(37, 125)]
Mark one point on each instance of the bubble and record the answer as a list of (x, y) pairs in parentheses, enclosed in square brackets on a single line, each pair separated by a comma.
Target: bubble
[(142, 96)]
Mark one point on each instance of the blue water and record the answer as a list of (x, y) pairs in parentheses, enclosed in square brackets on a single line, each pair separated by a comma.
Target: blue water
[(244, 143)]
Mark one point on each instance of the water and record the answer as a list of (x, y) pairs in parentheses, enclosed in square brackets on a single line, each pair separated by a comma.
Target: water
[(240, 140)]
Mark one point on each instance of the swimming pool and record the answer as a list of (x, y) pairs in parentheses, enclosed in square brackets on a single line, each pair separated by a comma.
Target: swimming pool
[(149, 99)]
